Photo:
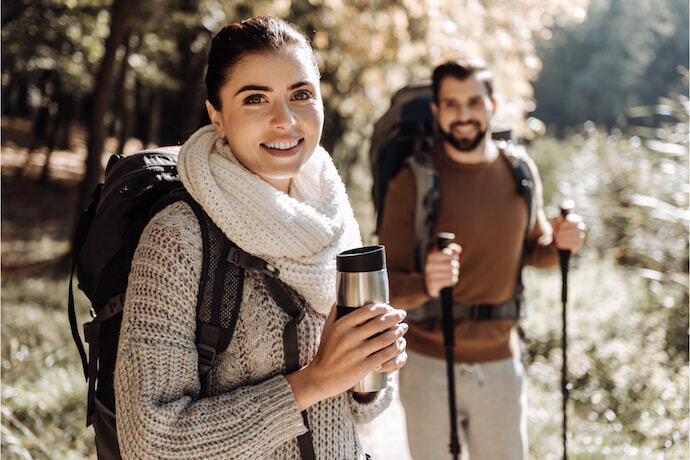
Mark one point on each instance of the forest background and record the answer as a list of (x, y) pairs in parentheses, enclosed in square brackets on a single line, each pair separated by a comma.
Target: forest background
[(596, 90)]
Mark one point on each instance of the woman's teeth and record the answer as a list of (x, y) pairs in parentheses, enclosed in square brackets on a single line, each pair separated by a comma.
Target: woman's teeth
[(282, 145)]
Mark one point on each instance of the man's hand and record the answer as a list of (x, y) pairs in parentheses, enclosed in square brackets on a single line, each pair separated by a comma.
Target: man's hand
[(568, 232), (442, 269)]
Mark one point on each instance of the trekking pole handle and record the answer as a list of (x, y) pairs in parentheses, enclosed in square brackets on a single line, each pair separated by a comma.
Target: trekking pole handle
[(566, 207), (443, 240)]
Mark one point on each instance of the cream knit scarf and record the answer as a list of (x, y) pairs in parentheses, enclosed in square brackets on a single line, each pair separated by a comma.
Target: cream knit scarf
[(299, 233)]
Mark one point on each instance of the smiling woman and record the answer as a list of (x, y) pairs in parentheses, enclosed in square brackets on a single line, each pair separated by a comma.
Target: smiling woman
[(272, 121), (281, 390)]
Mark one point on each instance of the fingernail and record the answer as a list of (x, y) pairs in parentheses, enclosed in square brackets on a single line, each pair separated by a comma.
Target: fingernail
[(378, 368), (404, 326)]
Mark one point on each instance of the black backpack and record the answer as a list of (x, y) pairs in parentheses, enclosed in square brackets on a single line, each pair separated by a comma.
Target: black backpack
[(136, 187), (405, 136)]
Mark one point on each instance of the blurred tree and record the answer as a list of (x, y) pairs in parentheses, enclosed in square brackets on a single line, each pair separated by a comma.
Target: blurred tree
[(122, 11), (628, 53), (39, 35), (366, 50)]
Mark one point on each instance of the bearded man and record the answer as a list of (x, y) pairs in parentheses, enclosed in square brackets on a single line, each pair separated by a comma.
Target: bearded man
[(479, 204)]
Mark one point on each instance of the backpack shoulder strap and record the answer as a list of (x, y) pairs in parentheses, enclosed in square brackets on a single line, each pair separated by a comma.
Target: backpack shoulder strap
[(519, 163), (427, 200), (220, 296), (83, 226), (220, 292), (220, 287)]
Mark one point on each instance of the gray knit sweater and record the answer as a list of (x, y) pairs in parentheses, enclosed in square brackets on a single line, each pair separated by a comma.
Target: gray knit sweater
[(251, 412)]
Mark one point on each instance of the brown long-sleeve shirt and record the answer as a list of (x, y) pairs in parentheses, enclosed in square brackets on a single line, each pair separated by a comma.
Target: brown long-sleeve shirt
[(480, 204)]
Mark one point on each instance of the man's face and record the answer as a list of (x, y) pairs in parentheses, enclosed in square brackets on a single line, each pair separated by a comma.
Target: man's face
[(463, 112)]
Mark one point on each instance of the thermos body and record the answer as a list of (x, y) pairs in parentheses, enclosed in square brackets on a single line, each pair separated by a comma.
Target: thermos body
[(361, 279), (360, 288)]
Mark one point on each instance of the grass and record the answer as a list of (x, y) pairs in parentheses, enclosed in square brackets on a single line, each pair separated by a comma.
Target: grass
[(629, 397), (43, 387)]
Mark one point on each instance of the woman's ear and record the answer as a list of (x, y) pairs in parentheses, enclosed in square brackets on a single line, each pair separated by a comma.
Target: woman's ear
[(216, 119)]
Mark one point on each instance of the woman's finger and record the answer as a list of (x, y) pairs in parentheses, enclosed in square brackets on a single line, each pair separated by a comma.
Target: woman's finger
[(394, 364), (387, 354), (385, 338), (363, 314), (379, 325)]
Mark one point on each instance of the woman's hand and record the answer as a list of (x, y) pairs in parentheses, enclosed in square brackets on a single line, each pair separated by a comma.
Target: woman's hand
[(370, 338)]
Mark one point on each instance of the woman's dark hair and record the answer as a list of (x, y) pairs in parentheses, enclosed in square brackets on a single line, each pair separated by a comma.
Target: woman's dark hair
[(462, 69), (234, 41)]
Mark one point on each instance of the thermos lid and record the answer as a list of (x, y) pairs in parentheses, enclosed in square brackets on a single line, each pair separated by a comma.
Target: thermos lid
[(366, 259)]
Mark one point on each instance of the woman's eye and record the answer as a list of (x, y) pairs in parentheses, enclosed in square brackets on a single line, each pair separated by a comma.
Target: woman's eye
[(254, 99), (303, 95)]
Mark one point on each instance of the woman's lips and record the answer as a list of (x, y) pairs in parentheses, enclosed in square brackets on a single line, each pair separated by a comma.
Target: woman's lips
[(284, 148)]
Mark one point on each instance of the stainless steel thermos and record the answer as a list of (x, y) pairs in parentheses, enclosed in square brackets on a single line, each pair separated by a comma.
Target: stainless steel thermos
[(361, 279)]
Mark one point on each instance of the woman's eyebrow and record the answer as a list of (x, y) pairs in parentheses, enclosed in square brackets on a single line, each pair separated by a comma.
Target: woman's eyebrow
[(253, 88), (300, 83), (268, 88)]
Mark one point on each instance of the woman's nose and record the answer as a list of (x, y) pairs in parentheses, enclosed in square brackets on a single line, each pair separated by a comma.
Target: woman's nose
[(282, 116)]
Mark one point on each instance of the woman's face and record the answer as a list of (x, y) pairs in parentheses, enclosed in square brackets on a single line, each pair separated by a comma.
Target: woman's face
[(272, 113)]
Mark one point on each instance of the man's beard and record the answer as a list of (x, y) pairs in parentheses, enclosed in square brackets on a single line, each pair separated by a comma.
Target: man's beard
[(463, 145)]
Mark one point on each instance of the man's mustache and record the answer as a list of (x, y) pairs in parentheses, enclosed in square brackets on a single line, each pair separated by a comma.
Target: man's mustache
[(463, 123)]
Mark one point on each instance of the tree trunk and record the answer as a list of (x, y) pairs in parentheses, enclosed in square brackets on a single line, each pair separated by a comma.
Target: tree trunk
[(181, 112), (122, 109), (121, 12)]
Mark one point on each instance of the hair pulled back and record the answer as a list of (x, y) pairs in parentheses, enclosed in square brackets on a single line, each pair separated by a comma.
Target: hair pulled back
[(236, 40)]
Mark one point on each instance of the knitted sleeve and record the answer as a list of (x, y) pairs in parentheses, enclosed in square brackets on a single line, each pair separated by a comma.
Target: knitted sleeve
[(366, 412), (159, 412)]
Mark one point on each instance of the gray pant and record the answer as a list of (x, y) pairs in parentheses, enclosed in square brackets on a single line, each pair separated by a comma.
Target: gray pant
[(491, 405)]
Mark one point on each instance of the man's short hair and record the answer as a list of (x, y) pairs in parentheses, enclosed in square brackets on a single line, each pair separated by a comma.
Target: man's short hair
[(462, 69)]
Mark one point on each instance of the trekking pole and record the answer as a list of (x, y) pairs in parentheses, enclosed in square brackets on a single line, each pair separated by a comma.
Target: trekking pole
[(442, 241), (564, 256)]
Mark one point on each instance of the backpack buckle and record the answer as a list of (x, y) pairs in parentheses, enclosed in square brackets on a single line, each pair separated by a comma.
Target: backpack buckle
[(207, 356), (233, 256), (481, 312), (270, 270)]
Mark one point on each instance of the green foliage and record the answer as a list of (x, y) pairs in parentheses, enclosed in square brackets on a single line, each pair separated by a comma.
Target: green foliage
[(366, 51), (629, 399), (628, 308), (628, 52), (54, 34)]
